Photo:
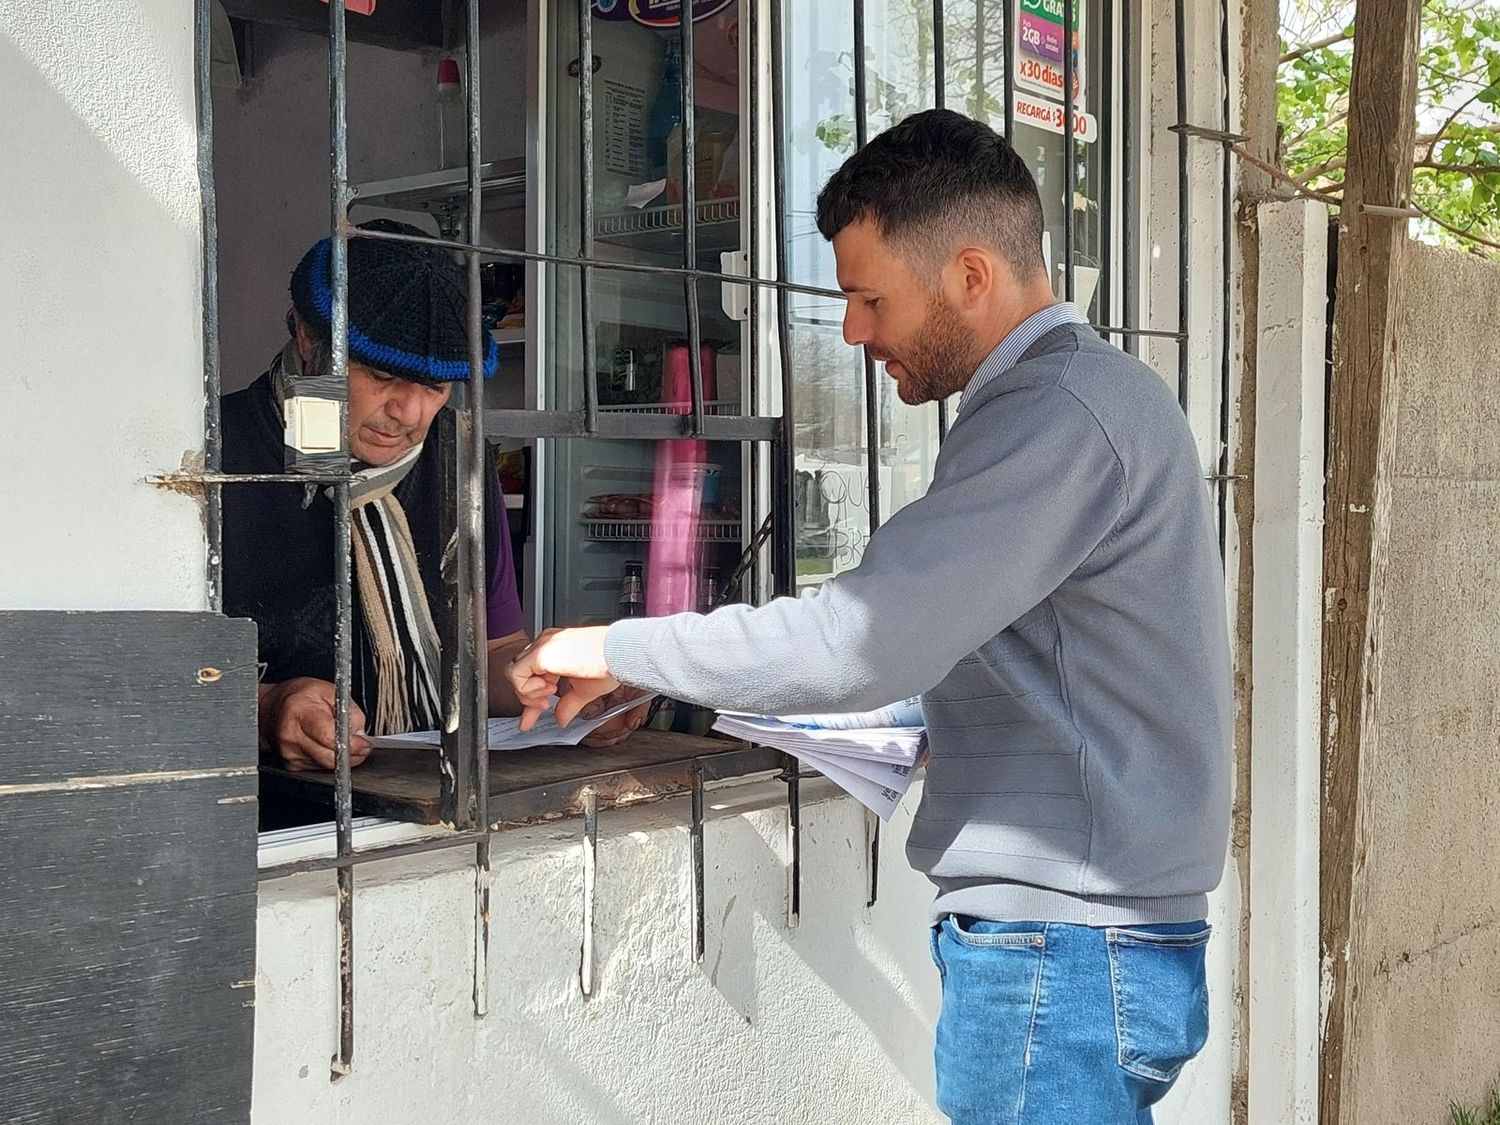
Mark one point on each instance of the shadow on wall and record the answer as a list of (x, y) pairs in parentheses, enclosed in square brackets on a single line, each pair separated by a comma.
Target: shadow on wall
[(101, 333), (831, 1021), (873, 966)]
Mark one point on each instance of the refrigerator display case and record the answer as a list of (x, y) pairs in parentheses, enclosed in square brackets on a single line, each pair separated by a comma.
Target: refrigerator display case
[(607, 527), (672, 517)]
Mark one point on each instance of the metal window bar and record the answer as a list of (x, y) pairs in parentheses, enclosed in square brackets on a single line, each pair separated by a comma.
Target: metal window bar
[(1070, 155), (783, 503), (696, 846), (512, 253), (343, 804), (464, 749), (586, 213), (778, 283), (1105, 300), (1179, 26), (1226, 236), (590, 877), (939, 101), (1128, 178), (213, 442), (872, 390), (690, 211), (1008, 26), (750, 192), (469, 459), (474, 671)]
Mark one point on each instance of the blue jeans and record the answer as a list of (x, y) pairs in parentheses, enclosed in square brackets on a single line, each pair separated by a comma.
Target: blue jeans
[(1045, 1023)]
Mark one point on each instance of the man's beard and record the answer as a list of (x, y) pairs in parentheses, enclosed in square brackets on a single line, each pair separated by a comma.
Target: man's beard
[(940, 358)]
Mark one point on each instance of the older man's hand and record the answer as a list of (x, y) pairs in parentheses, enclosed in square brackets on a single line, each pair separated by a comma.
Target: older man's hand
[(296, 721), (564, 662), (622, 726)]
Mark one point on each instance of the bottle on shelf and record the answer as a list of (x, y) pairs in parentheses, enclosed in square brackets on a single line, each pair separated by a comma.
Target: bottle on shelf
[(712, 145), (708, 600), (633, 590), (624, 371), (453, 122), (666, 110)]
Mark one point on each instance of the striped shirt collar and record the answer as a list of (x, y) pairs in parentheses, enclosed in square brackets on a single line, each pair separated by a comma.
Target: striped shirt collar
[(1009, 351)]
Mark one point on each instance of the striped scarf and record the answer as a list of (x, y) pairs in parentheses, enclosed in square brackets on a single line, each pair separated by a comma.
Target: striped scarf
[(398, 621)]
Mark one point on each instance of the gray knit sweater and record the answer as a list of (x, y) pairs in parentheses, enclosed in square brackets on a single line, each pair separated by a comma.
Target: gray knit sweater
[(1056, 598)]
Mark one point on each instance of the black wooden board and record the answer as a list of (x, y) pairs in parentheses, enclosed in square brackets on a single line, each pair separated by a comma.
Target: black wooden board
[(127, 896), (112, 693)]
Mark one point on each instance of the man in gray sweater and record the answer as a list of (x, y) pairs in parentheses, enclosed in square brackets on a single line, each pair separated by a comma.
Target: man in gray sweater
[(1056, 598)]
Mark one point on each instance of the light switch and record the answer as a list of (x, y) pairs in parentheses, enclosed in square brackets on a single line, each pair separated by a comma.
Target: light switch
[(312, 424)]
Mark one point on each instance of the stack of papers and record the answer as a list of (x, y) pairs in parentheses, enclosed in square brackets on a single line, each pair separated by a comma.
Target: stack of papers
[(506, 734), (873, 764)]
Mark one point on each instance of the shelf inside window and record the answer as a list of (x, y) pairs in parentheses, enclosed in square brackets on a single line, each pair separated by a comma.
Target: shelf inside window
[(445, 192), (713, 407), (641, 531), (660, 228)]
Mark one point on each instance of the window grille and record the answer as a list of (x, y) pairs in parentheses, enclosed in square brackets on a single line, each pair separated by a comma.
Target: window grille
[(463, 762)]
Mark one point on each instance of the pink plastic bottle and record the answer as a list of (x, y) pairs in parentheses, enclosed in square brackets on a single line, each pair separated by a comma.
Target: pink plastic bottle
[(674, 573)]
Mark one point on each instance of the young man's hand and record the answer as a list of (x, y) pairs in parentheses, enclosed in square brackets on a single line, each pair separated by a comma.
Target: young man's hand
[(296, 721), (572, 655)]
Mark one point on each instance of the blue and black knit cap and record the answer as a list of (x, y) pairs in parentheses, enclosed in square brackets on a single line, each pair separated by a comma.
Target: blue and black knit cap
[(408, 306)]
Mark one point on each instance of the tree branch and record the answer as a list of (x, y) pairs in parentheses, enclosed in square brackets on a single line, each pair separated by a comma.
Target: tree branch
[(1459, 231), (1426, 138), (1322, 169), (1454, 116), (1319, 127), (1458, 169), (1315, 45), (1338, 162), (1280, 174)]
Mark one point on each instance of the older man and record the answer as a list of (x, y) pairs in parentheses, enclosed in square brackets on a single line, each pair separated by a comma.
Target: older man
[(1055, 597), (408, 343)]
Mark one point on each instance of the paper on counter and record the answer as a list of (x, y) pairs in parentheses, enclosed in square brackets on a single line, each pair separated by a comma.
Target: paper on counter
[(506, 733)]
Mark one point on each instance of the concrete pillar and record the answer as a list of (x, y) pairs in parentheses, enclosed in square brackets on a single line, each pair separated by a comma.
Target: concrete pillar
[(1287, 644)]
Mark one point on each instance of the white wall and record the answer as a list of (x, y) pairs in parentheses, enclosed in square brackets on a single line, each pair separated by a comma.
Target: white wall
[(100, 339), (830, 1022)]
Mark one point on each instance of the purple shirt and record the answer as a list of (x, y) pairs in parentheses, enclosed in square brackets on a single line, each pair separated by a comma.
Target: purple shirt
[(503, 611)]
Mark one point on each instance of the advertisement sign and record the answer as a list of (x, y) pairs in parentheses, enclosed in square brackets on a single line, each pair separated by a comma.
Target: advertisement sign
[(656, 13), (1049, 116), (1038, 56)]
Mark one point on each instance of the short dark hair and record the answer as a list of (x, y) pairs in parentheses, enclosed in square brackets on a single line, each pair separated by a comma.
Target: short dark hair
[(935, 180)]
